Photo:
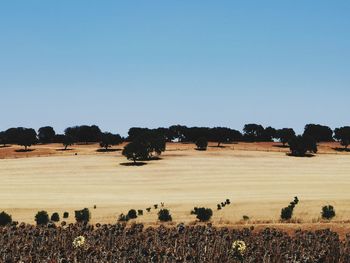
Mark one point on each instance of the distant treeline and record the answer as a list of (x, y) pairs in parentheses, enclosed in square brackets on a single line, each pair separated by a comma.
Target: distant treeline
[(251, 133)]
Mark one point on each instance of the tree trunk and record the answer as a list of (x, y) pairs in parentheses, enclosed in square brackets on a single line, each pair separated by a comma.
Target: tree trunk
[(65, 147), (25, 147)]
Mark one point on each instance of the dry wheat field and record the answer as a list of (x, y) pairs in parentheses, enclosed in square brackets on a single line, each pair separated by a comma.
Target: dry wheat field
[(259, 182)]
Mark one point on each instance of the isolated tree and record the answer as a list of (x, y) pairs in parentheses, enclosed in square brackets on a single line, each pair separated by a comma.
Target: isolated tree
[(319, 132), (27, 137), (343, 135), (46, 134), (300, 145), (285, 135), (202, 143), (108, 139), (67, 141), (136, 151)]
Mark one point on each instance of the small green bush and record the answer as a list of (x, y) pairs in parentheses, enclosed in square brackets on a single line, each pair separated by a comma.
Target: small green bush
[(55, 217), (5, 219), (287, 212), (164, 215), (132, 214), (82, 215), (140, 212), (328, 212), (42, 218), (203, 214), (65, 215)]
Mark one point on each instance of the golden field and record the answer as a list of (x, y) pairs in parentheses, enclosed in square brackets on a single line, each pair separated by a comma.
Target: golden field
[(258, 178)]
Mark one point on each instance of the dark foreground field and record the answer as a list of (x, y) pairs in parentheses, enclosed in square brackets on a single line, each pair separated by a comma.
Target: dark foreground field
[(115, 243)]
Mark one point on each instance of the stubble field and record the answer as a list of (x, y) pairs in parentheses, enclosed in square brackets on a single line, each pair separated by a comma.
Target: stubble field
[(259, 182)]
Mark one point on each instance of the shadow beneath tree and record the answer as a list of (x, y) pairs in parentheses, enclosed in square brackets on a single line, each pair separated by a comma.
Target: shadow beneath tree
[(281, 146), (133, 164), (63, 150), (307, 155), (108, 150)]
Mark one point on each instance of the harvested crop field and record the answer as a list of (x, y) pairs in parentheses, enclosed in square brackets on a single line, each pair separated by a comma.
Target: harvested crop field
[(258, 183)]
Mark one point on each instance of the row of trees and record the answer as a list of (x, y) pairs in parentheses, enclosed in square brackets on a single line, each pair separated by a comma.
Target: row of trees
[(77, 134), (251, 133)]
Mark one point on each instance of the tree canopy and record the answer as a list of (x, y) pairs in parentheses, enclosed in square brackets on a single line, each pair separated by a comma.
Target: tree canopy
[(285, 135), (46, 134), (301, 144), (319, 132), (108, 139), (342, 135), (84, 133)]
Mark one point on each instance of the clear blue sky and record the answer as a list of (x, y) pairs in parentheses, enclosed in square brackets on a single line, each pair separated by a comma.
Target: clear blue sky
[(149, 63)]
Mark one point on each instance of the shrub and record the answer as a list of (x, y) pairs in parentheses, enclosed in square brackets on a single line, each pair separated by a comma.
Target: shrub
[(82, 215), (140, 212), (65, 215), (132, 214), (203, 214), (287, 212), (202, 144), (328, 212), (55, 217), (5, 219), (42, 218), (164, 215), (245, 218)]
